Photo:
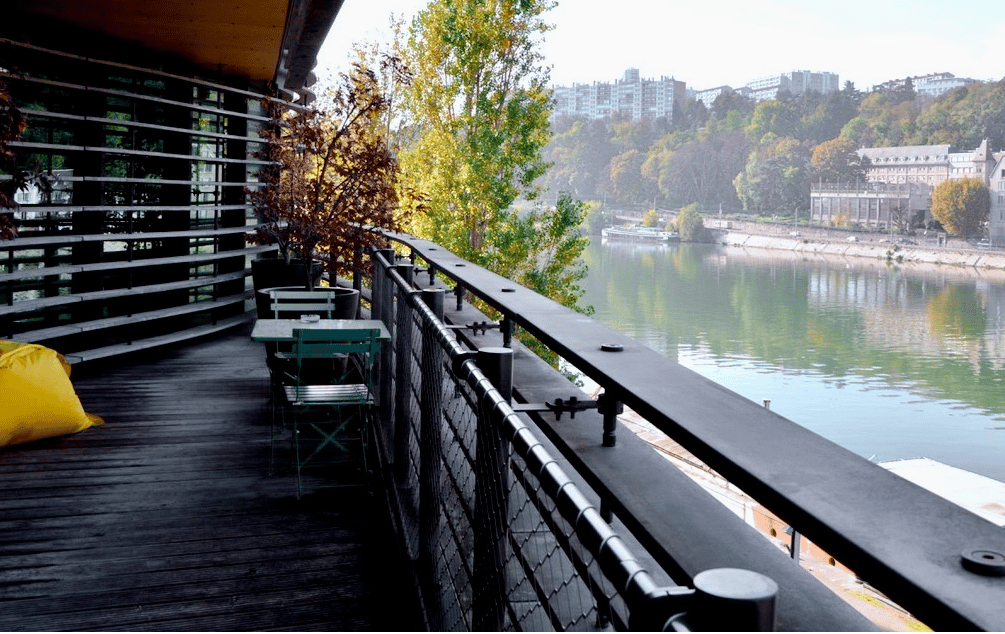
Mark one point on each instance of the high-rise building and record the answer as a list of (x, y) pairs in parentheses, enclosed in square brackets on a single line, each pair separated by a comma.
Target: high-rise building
[(631, 96)]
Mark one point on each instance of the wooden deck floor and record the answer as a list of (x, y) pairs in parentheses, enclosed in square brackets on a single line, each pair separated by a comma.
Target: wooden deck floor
[(165, 519)]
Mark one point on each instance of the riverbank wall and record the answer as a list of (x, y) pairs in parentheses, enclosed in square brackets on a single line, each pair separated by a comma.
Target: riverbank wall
[(885, 251)]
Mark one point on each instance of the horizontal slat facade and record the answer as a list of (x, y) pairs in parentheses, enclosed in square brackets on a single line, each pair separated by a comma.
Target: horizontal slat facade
[(142, 239)]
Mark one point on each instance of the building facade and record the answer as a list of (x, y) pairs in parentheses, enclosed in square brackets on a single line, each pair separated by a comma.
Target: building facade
[(631, 97), (146, 127), (927, 164), (996, 217), (795, 82), (931, 85), (709, 95), (877, 205), (899, 185)]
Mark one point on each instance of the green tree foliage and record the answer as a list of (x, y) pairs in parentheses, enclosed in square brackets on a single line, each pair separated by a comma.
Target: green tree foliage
[(884, 119), (774, 117), (837, 161), (479, 106), (627, 181), (965, 116), (699, 160), (698, 166), (651, 218), (776, 176), (732, 105), (580, 153), (690, 225), (545, 247), (961, 206), (480, 103)]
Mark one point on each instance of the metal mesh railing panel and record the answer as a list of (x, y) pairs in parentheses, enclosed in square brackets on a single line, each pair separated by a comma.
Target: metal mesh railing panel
[(501, 537)]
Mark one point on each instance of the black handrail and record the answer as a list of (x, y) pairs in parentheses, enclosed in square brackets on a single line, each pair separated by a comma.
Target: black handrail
[(934, 558)]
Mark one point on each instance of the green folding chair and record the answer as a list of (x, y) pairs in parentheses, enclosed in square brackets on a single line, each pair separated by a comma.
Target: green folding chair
[(330, 416), (289, 304)]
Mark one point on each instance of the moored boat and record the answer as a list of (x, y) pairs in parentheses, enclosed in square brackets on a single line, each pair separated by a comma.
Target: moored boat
[(639, 234)]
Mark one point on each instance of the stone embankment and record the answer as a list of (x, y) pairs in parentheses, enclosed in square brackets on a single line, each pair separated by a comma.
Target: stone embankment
[(889, 251)]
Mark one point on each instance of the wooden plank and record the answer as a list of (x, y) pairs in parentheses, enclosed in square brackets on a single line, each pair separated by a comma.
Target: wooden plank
[(164, 518)]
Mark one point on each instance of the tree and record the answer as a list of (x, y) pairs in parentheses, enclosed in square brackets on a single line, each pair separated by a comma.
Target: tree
[(333, 180), (627, 181), (480, 104), (690, 225), (546, 246), (961, 206), (776, 176), (773, 117), (837, 161)]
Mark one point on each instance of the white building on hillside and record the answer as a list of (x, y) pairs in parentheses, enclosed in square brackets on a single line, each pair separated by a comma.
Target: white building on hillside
[(931, 85), (632, 97), (795, 82)]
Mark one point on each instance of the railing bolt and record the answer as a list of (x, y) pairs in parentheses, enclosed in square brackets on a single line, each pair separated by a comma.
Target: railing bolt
[(985, 562)]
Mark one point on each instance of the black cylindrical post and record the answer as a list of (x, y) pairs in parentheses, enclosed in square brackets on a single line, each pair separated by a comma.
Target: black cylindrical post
[(357, 268), (733, 600), (491, 487), (507, 327), (402, 375), (381, 308), (430, 460), (459, 292)]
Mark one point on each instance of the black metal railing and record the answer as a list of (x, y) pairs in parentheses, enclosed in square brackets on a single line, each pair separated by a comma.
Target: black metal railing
[(524, 507)]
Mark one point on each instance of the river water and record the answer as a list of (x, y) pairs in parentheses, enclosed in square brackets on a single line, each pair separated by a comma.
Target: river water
[(887, 361)]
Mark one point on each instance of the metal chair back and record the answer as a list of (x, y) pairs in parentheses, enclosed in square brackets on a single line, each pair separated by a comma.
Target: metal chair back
[(292, 304)]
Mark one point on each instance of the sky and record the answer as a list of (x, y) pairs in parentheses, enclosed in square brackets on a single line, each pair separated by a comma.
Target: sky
[(709, 43)]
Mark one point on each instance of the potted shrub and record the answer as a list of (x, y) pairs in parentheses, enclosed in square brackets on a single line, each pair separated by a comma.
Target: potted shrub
[(332, 187)]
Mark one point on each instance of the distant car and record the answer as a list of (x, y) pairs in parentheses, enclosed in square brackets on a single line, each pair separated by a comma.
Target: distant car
[(905, 241), (852, 239), (795, 234)]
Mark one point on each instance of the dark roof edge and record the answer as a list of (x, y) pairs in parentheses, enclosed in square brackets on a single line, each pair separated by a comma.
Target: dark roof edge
[(307, 25)]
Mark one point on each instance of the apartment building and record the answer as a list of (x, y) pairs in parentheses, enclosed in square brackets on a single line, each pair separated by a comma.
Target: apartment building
[(795, 82), (631, 97), (931, 85), (709, 95)]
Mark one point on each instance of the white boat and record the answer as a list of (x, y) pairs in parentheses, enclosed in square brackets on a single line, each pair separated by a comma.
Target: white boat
[(639, 234)]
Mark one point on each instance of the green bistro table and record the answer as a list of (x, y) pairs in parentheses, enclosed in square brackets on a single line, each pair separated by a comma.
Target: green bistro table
[(281, 330)]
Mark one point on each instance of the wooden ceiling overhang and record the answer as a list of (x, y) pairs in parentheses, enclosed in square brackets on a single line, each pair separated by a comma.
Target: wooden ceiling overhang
[(262, 41)]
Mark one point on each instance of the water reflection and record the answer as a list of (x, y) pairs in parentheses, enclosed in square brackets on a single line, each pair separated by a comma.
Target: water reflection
[(889, 361)]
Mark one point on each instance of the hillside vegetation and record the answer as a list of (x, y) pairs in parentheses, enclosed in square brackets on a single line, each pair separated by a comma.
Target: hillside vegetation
[(760, 156)]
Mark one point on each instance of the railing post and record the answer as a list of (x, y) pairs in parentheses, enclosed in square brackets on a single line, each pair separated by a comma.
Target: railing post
[(733, 600), (380, 308), (430, 461), (491, 491), (357, 277), (402, 376)]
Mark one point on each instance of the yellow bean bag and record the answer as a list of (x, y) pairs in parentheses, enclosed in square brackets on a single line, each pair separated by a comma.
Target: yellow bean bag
[(37, 397)]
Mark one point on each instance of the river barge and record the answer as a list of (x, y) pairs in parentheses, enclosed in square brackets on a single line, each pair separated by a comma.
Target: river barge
[(639, 234)]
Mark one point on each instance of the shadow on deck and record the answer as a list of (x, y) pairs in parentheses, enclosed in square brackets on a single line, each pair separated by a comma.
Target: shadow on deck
[(164, 518)]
